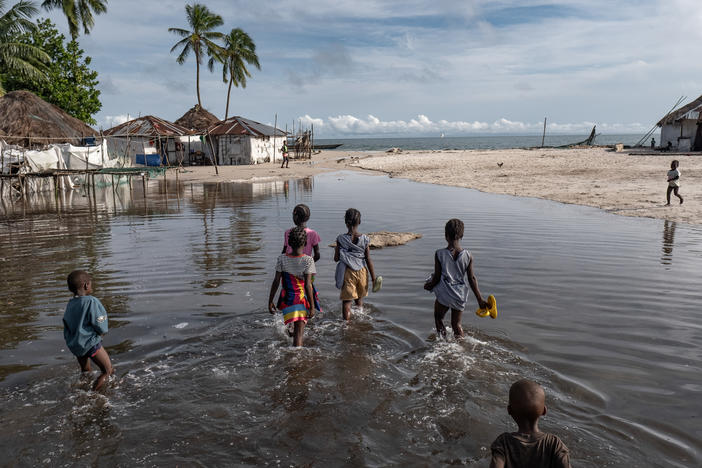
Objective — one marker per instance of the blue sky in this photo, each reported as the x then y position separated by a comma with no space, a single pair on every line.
381,68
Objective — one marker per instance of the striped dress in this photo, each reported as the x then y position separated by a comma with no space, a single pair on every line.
293,301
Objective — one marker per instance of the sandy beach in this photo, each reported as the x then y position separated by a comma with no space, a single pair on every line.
619,183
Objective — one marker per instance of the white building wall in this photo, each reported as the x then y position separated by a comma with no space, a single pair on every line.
671,133
243,149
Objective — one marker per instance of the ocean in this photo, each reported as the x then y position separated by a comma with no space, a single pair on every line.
471,142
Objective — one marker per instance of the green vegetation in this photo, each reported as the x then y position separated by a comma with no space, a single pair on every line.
239,49
202,22
19,58
71,84
78,13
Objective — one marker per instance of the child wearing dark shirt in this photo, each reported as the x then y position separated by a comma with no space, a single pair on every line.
84,323
529,447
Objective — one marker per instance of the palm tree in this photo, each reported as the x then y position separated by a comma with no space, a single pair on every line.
239,49
202,21
15,57
78,13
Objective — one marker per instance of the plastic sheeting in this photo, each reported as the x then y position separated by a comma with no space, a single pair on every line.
64,156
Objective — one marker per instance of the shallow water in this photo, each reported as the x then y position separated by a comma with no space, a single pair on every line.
602,310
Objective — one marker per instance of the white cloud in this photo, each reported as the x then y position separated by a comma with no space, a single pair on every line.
482,65
349,125
110,121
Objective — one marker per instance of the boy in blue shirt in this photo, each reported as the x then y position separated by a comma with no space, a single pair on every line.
84,323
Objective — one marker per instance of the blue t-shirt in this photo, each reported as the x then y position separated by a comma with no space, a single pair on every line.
84,321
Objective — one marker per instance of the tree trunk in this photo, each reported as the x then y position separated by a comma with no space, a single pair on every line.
197,78
226,112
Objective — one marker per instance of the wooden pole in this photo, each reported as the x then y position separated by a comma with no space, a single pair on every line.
543,137
213,157
275,131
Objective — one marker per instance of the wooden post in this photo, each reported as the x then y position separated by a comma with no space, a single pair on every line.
213,158
275,130
143,184
543,137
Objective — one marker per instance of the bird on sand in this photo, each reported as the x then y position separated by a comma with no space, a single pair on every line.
500,164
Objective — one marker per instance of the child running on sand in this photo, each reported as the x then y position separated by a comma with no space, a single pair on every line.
84,323
301,214
673,181
448,282
529,446
352,253
298,299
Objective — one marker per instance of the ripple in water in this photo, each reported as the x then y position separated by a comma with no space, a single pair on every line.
206,376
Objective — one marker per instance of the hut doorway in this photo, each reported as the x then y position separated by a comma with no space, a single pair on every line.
698,138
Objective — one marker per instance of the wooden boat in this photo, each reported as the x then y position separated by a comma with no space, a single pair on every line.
324,147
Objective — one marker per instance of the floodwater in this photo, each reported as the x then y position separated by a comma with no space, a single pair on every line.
603,311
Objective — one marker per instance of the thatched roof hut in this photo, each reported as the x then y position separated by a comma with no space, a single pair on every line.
197,119
29,121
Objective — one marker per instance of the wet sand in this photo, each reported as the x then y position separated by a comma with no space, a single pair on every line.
616,182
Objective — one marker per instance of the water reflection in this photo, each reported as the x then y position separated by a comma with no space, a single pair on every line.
668,241
136,244
184,272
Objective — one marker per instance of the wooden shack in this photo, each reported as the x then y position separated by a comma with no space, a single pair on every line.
682,128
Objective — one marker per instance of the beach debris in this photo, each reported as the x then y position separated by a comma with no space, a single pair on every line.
381,239
619,147
394,150
500,164
180,325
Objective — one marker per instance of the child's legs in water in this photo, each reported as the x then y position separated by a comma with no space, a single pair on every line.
84,363
102,359
299,329
456,322
439,313
346,309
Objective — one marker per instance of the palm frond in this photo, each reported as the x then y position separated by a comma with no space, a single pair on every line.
16,20
179,31
183,42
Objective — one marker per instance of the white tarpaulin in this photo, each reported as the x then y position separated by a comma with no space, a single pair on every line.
64,156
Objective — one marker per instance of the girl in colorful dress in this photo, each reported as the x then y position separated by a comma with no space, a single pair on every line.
452,266
298,299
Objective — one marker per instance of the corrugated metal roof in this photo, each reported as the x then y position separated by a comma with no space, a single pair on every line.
238,125
148,126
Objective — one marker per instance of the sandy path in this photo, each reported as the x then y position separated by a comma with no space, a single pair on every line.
616,182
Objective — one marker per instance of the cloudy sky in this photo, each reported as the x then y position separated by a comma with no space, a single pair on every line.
420,67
